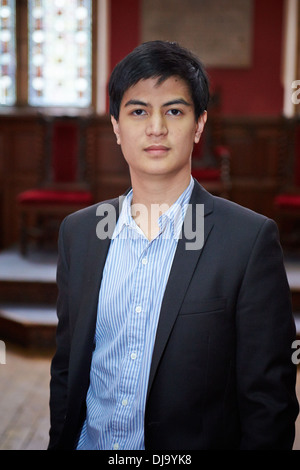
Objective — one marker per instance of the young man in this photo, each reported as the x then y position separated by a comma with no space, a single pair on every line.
162,344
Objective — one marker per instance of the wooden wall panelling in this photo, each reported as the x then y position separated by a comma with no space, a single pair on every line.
256,146
21,155
22,159
110,175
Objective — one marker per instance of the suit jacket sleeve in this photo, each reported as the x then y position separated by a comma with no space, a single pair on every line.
265,332
60,362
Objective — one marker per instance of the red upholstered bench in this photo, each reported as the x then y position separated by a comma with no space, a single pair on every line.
287,201
50,196
64,186
215,179
206,174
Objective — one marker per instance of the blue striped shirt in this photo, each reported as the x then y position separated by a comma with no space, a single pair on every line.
134,280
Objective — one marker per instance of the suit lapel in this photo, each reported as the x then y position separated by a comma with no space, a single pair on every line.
96,257
83,337
182,270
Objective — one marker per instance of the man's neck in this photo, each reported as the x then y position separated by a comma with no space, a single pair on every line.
151,197
158,189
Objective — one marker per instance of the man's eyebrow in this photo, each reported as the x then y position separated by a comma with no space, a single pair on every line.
177,101
135,103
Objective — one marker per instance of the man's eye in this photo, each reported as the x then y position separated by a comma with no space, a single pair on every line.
174,112
138,112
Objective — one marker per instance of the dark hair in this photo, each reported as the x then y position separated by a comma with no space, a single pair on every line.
163,60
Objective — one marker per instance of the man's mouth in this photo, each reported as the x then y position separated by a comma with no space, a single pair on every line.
157,149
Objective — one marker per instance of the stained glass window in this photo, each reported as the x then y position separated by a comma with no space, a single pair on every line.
7,52
60,52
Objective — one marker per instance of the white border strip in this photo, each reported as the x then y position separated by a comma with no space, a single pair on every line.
102,54
289,55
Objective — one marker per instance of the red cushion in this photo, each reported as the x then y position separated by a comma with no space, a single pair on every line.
206,174
288,201
47,196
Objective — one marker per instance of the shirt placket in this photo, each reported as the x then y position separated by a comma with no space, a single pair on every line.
135,341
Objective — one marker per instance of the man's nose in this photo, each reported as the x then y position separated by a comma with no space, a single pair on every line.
156,125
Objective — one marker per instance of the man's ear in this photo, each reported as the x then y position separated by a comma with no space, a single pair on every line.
115,125
200,126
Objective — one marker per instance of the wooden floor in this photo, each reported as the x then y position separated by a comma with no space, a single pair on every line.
24,392
24,379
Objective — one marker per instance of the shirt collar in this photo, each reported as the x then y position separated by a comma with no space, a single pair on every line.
125,219
174,216
176,213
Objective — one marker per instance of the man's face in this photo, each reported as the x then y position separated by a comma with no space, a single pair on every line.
157,128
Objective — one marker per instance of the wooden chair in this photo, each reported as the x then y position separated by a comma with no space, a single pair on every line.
64,187
211,165
287,201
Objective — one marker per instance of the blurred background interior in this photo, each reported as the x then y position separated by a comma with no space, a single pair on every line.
58,152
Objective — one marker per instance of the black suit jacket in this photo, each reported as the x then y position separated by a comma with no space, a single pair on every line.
221,375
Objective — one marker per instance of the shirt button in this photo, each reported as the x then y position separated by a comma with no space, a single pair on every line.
138,309
116,446
133,356
144,261
124,402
